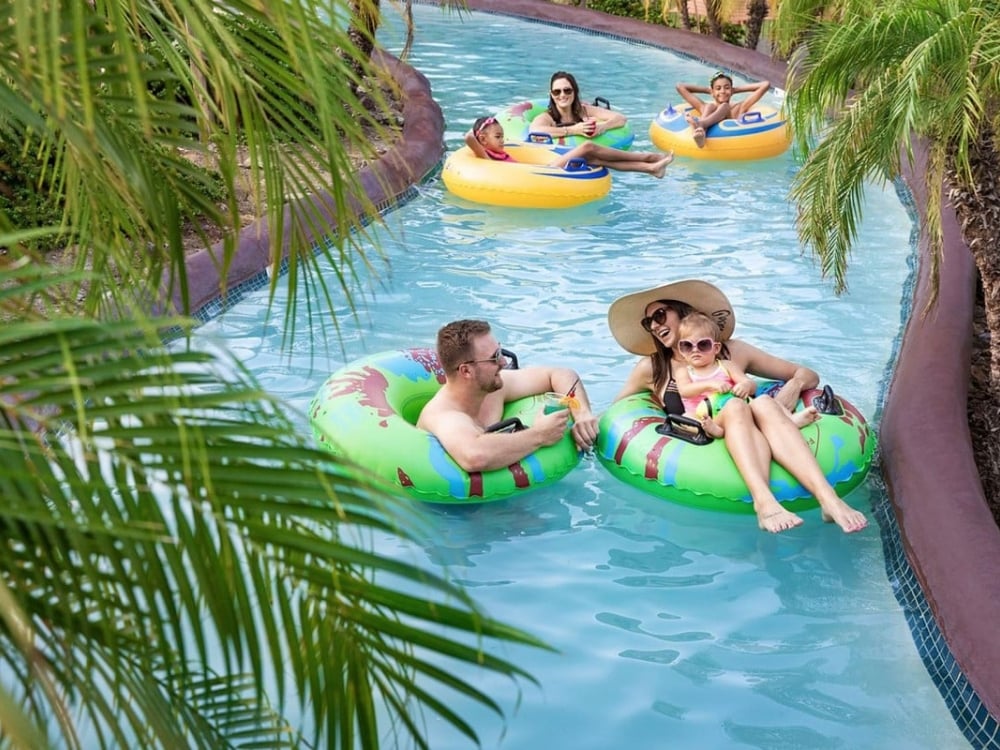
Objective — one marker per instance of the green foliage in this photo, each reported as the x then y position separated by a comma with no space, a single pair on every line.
180,566
626,8
26,193
28,199
867,81
734,33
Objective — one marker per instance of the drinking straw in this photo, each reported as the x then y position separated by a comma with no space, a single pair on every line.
572,389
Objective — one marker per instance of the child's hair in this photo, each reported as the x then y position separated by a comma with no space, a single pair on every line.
717,75
698,323
481,124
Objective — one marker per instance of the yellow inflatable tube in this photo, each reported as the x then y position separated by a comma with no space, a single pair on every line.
759,134
526,182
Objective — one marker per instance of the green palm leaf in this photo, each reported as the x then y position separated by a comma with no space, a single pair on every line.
181,567
863,80
179,558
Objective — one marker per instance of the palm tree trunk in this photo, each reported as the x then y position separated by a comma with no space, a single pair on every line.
756,13
685,14
713,10
365,17
408,43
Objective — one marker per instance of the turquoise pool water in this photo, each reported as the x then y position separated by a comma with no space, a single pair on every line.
674,627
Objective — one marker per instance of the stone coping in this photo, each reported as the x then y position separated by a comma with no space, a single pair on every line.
415,155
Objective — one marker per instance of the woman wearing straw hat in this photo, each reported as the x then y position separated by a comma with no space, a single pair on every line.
756,433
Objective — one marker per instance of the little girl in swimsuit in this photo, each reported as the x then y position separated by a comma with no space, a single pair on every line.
486,141
705,373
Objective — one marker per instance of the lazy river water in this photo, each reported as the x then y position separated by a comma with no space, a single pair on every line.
674,627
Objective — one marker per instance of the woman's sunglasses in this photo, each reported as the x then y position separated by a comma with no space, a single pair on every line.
659,317
686,346
565,92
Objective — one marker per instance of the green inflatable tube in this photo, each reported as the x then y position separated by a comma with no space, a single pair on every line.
704,476
516,121
366,412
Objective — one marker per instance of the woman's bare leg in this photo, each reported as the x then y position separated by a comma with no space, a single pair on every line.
649,162
752,456
790,450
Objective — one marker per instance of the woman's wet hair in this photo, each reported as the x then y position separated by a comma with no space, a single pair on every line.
578,111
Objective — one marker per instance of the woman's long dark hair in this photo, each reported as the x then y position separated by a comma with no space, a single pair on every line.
579,113
662,357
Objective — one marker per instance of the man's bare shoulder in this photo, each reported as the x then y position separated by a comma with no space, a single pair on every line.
434,411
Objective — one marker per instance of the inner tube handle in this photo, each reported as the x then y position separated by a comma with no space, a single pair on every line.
684,428
750,117
538,137
512,357
576,164
600,101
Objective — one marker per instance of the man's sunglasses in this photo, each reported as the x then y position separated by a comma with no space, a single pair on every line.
496,358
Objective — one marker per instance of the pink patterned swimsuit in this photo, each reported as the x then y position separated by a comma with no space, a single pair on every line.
718,375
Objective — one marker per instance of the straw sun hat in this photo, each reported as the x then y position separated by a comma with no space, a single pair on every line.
626,312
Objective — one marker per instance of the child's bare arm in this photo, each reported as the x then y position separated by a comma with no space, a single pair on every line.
473,143
756,91
688,91
743,386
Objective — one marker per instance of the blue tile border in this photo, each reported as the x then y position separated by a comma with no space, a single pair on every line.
262,279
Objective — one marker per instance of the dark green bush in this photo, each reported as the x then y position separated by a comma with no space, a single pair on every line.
734,33
628,8
24,197
27,199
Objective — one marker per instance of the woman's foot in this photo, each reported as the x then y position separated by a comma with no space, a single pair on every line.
805,417
660,167
842,514
775,518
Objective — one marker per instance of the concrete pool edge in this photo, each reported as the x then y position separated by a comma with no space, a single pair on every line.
946,526
412,158
926,452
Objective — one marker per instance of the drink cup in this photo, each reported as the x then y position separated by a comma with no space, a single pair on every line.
554,402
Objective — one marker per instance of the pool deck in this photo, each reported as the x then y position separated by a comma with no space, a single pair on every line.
947,531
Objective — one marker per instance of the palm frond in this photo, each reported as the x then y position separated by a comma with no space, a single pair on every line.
867,82
183,558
